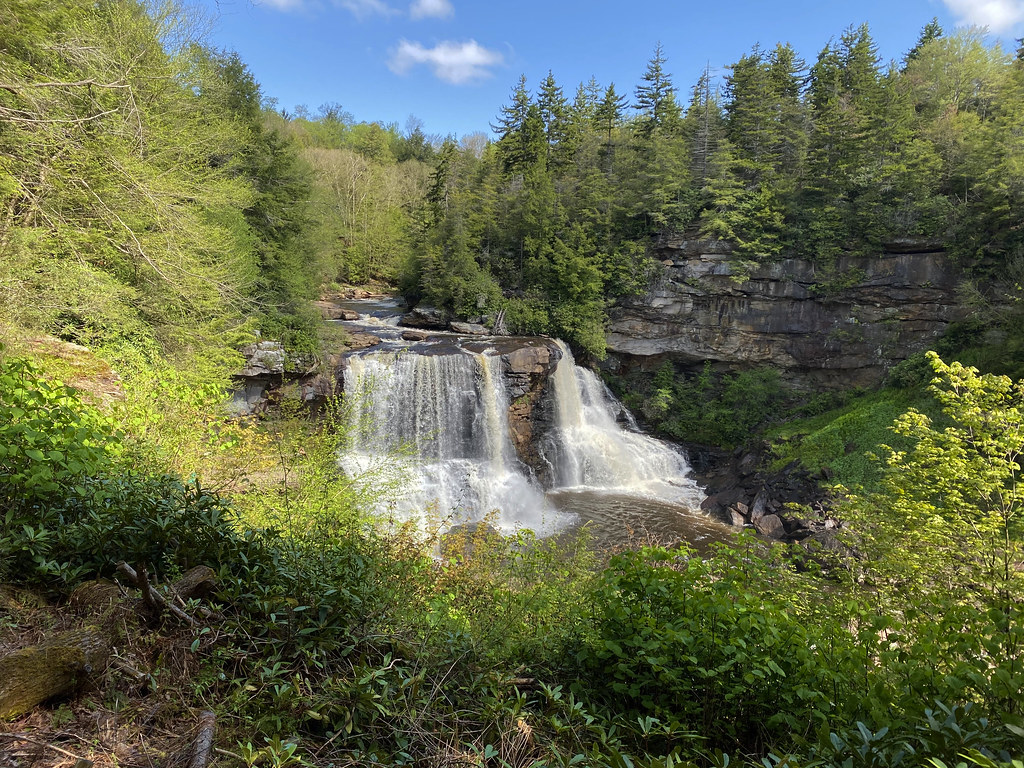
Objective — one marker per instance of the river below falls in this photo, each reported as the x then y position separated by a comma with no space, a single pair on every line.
619,520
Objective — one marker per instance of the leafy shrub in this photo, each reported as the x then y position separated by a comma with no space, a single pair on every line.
49,439
692,642
705,408
72,509
160,522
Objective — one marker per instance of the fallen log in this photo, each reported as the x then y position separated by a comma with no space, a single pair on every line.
204,740
58,666
30,676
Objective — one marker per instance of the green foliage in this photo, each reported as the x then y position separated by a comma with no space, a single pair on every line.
49,439
156,522
706,408
840,440
952,493
341,638
149,206
693,643
72,508
843,157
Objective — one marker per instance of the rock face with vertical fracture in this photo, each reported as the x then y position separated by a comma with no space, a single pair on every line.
824,327
528,369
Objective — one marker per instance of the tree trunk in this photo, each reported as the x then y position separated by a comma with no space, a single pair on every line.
57,667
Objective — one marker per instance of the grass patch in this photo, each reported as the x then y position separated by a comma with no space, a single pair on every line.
841,440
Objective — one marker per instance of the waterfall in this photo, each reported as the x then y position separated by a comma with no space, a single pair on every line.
447,414
589,448
443,412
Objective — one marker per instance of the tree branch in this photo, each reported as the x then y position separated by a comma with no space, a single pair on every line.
77,84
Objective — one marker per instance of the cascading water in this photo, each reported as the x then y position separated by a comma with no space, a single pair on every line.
448,415
443,411
588,448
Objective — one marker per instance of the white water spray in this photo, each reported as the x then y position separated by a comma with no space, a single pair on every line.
590,449
447,414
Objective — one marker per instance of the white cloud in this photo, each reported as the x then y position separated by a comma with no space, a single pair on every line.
363,8
283,5
998,15
438,9
454,62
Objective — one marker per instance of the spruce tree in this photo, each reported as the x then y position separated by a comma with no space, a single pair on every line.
554,114
655,96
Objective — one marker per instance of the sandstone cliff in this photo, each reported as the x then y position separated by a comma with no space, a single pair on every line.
837,327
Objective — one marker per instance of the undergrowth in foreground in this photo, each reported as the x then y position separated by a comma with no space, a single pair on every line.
336,641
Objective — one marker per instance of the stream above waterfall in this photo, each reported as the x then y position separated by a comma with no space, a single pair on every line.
510,431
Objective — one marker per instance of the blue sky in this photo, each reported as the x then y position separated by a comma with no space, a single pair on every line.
453,63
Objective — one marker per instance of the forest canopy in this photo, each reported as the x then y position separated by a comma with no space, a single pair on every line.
846,154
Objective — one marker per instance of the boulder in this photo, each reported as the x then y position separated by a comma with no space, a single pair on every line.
264,358
362,340
747,465
531,360
825,541
415,335
723,500
331,311
469,329
249,397
760,506
770,526
425,317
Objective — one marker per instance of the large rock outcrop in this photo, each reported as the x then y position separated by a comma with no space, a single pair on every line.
841,326
528,369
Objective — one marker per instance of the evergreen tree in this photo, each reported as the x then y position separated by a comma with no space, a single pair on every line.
554,110
750,108
584,105
607,118
788,144
442,180
932,31
655,96
521,132
703,128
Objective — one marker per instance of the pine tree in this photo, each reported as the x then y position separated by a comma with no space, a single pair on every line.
749,107
443,180
655,96
554,114
932,31
607,118
788,146
520,129
703,128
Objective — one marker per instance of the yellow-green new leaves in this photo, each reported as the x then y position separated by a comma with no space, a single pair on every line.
49,438
950,512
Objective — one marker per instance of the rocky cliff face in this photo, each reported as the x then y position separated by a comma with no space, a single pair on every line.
528,369
838,327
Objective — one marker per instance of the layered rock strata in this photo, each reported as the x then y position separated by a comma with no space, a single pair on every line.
528,369
840,326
